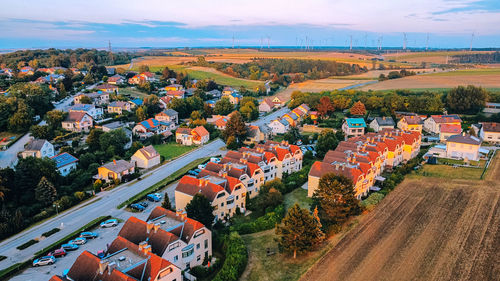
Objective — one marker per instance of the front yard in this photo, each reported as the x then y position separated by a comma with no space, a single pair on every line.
171,150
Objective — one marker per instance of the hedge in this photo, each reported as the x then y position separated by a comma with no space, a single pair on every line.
268,221
163,183
2,258
50,232
27,244
236,259
372,200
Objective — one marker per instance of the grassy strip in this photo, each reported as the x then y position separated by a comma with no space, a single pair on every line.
50,232
161,184
15,268
27,244
72,235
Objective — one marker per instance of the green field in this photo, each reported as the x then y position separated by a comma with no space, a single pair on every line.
172,150
299,195
464,72
134,93
222,79
449,172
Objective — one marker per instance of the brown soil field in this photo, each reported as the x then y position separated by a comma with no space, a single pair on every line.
376,73
432,229
429,57
316,86
450,80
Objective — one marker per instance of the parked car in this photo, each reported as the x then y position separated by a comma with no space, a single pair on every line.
215,159
58,253
197,171
144,204
202,166
78,241
44,261
69,247
152,198
137,207
109,223
89,235
192,173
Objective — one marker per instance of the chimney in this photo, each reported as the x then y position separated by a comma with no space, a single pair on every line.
111,266
103,264
337,166
178,212
114,161
383,118
156,227
142,245
149,227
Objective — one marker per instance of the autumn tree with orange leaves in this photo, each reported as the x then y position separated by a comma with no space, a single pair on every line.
358,109
325,106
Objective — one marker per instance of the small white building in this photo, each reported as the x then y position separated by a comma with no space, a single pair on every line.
94,112
65,163
380,123
279,126
38,148
146,157
196,136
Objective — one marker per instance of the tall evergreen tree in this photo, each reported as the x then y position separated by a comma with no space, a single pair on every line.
166,203
299,231
201,209
45,192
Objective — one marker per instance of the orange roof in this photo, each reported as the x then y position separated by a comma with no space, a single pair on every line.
451,128
201,131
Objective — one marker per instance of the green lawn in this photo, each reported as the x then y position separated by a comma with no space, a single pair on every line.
172,150
223,80
449,172
299,195
475,71
134,93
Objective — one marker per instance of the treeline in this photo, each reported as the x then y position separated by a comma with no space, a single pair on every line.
477,58
284,71
79,58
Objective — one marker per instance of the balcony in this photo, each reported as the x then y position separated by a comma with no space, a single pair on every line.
188,253
230,202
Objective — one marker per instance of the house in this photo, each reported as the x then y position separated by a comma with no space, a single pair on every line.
118,107
434,122
190,92
179,94
116,170
448,130
51,78
292,118
65,163
381,123
492,108
172,236
124,261
227,91
196,136
116,79
26,70
117,125
151,127
136,79
146,157
95,112
411,123
174,87
490,132
463,146
219,121
107,88
279,126
97,98
234,98
135,103
168,115
266,105
214,94
226,194
38,148
278,102
353,127
164,101
148,76
211,103
78,122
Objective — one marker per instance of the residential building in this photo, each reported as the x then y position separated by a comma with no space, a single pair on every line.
117,125
196,136
146,157
490,132
278,102
65,163
463,146
116,79
26,70
380,123
164,101
227,91
180,94
434,122
95,112
174,87
78,122
150,127
492,108
214,94
107,88
224,192
38,148
258,134
353,127
117,169
148,76
266,105
448,130
279,126
411,123
168,115
234,98
135,103
118,107
292,118
98,98
136,80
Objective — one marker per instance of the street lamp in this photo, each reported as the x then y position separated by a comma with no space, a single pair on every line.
57,211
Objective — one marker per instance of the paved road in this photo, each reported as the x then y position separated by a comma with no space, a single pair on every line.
268,118
104,204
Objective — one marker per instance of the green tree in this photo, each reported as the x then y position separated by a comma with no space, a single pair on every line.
201,209
42,132
468,99
335,199
326,141
22,118
223,106
93,139
85,100
235,127
299,231
249,111
45,192
143,68
166,203
141,113
292,136
55,117
88,79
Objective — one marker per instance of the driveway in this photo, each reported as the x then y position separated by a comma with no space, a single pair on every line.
103,204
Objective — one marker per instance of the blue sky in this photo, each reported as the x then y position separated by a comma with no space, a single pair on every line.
196,23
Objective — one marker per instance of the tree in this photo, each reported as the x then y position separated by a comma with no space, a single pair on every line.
93,139
231,143
292,136
166,203
55,117
468,99
249,111
143,68
224,106
42,132
85,100
325,106
21,120
299,231
6,180
201,209
141,113
335,199
235,127
358,108
326,141
45,192
88,79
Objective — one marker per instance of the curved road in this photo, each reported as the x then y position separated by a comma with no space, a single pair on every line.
104,204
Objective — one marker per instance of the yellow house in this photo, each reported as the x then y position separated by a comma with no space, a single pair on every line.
173,87
146,157
411,123
463,147
115,170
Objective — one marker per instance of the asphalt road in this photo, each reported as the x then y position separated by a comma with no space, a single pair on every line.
104,204
268,118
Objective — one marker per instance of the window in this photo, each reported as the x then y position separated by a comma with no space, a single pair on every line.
197,246
222,204
187,253
221,194
199,233
206,243
237,197
198,258
176,258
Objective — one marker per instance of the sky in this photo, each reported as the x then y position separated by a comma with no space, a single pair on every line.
211,23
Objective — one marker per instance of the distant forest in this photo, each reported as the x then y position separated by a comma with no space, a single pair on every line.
79,58
295,70
477,58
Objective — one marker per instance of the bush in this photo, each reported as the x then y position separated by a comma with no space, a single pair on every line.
27,244
372,200
50,232
203,273
268,221
236,259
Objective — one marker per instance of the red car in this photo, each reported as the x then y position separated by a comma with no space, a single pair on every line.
58,253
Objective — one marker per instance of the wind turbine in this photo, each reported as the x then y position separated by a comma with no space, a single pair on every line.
471,39
427,42
404,40
350,44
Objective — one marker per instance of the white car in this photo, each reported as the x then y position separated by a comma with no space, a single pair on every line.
47,260
158,195
78,241
109,223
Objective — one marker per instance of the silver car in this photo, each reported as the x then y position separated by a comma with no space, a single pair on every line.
78,241
47,260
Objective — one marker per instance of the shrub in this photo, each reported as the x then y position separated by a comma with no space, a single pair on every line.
50,232
27,244
79,195
268,221
372,200
236,259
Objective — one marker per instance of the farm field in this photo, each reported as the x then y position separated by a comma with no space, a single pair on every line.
317,86
487,78
133,93
172,150
429,57
432,229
